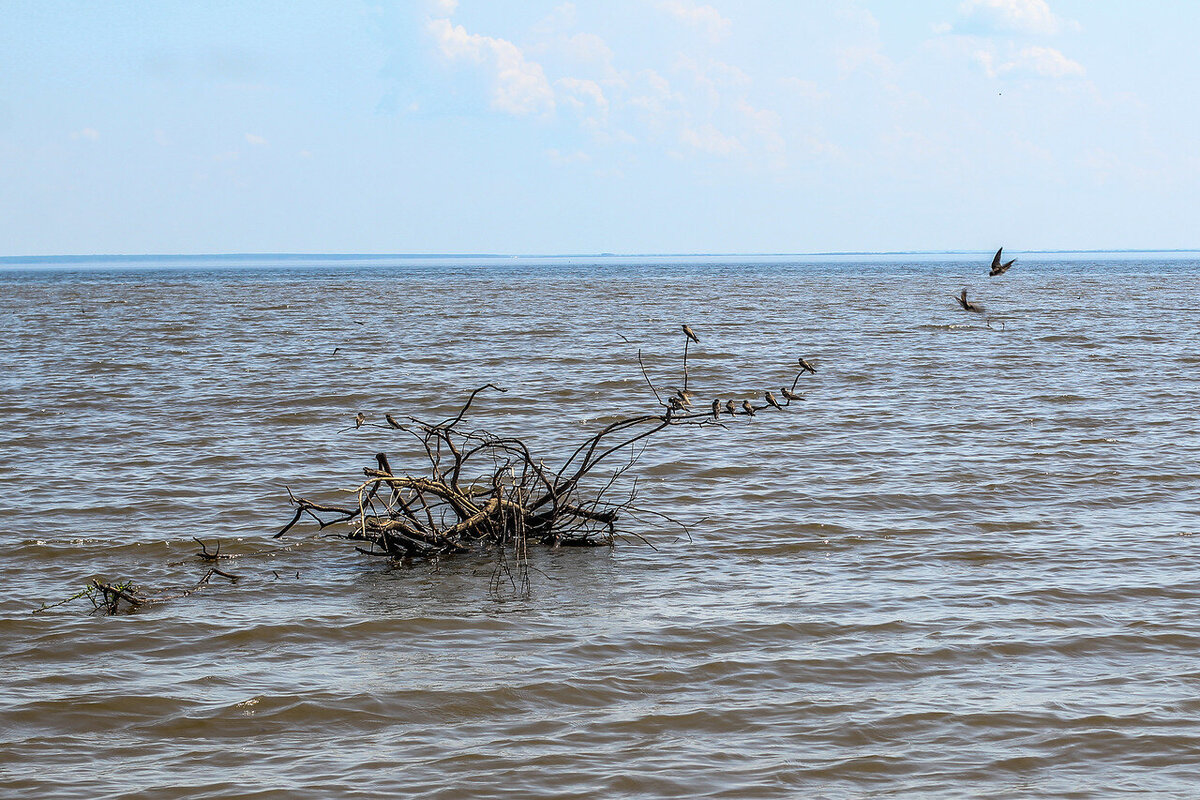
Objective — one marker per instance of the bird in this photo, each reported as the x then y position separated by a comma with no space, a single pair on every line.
689,333
749,409
716,407
772,401
788,394
997,267
806,367
968,306
730,408
392,421
674,404
359,419
685,397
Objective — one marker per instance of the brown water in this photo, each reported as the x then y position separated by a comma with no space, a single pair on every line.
965,567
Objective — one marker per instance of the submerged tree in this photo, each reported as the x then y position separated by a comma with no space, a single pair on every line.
477,488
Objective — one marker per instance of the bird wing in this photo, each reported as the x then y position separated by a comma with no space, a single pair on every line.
996,258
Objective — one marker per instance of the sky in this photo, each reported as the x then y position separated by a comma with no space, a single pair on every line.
623,126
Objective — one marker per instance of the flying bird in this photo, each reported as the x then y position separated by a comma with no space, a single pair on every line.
716,407
688,332
969,306
772,401
749,409
392,421
806,367
788,394
359,419
730,408
685,397
997,267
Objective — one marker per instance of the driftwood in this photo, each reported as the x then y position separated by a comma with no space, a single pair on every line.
480,489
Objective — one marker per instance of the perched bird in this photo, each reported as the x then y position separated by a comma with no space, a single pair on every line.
968,306
788,394
716,408
685,397
749,409
688,332
392,421
674,403
359,419
806,367
997,267
772,401
730,408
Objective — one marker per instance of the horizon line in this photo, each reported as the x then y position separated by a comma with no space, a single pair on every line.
331,255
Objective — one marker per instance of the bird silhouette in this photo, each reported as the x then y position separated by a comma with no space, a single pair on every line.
788,394
749,409
716,408
806,367
392,421
359,419
772,401
730,408
968,306
688,332
997,267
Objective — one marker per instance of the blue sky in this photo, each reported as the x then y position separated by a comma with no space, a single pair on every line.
626,126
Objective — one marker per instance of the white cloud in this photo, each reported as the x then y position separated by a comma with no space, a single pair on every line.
255,140
585,97
1014,16
706,18
519,86
707,139
91,134
445,8
560,159
1037,61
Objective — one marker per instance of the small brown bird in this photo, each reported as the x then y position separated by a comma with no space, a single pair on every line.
730,408
392,421
688,332
674,403
968,306
716,406
749,409
806,367
788,394
359,419
685,397
997,267
772,401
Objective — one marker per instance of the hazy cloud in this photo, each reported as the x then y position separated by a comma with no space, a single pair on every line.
1044,62
91,134
705,18
1008,16
255,140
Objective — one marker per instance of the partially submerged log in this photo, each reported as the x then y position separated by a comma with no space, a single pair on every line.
481,489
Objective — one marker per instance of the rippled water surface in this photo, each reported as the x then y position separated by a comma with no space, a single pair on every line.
965,565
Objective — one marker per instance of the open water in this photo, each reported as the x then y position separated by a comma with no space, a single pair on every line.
966,565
